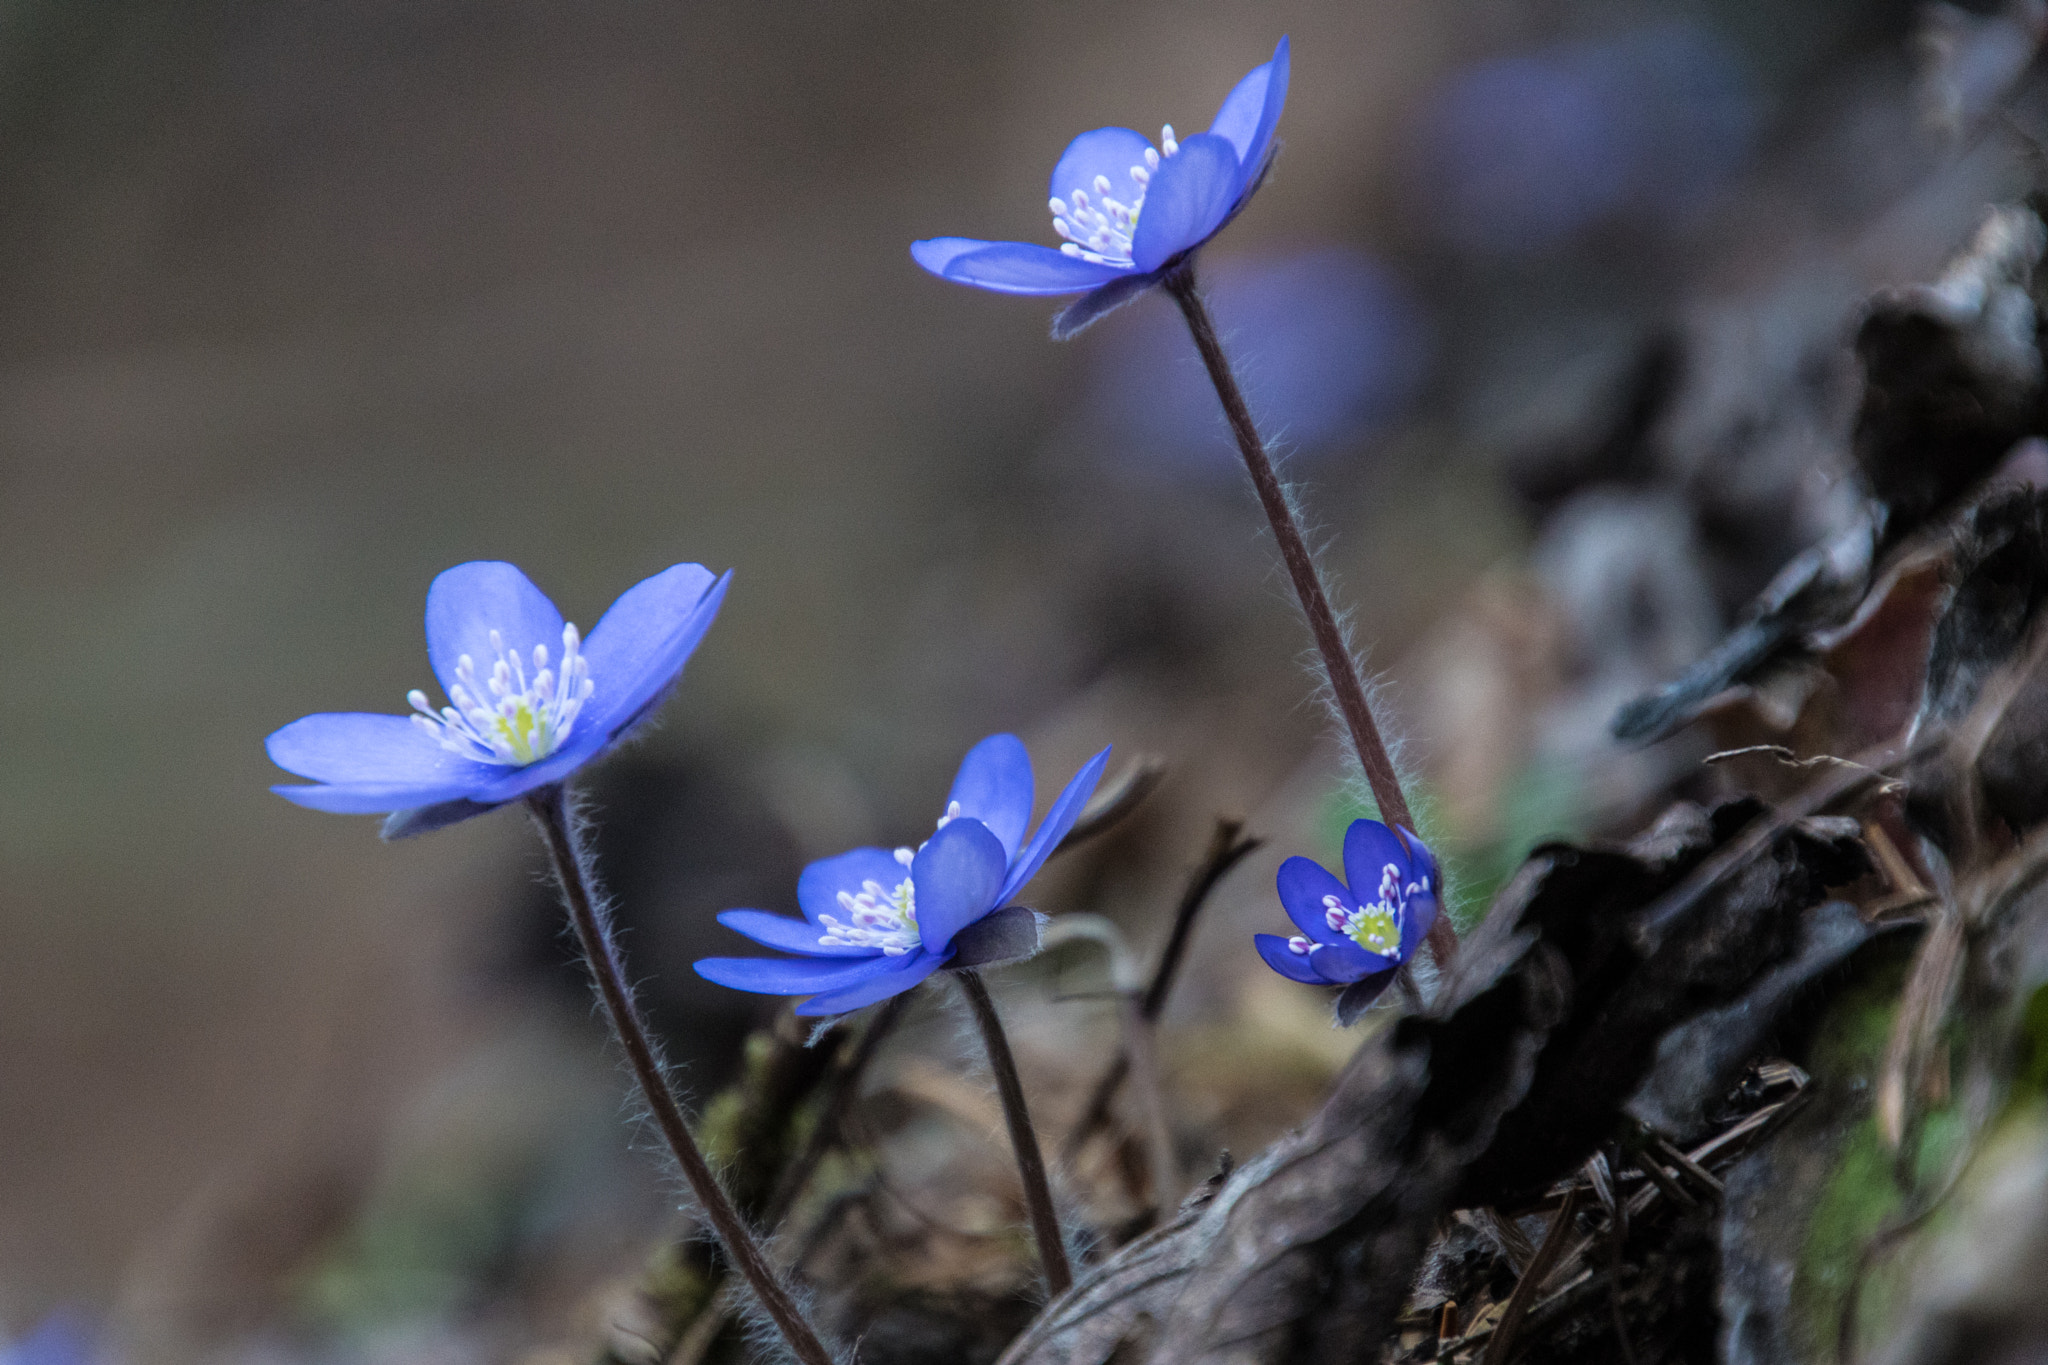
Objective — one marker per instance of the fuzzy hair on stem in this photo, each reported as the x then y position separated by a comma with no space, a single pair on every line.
1339,666
589,917
1053,1260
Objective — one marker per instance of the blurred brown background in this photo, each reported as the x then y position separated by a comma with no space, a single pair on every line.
305,302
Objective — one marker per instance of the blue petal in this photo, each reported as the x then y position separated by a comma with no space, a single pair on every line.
1421,862
1237,118
911,969
640,645
413,820
1284,960
1098,303
995,787
818,888
468,602
358,747
368,798
1345,962
1065,810
1418,916
1108,152
1012,267
792,976
958,872
936,253
1368,847
1192,194
1302,884
789,935
1251,113
1422,910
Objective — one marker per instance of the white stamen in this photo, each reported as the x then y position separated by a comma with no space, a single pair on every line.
876,917
1375,925
526,720
1094,224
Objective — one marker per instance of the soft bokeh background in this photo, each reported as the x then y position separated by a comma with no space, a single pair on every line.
304,302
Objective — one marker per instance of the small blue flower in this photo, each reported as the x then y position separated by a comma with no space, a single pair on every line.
1356,936
877,922
1128,210
521,716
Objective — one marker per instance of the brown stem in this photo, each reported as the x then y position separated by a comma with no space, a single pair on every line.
1531,1283
550,808
1141,1062
1045,1223
1227,846
1338,664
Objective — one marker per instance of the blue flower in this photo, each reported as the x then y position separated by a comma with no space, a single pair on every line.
1356,936
512,726
877,922
1130,211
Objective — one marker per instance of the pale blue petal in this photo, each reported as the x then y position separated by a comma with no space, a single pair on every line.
368,798
911,969
468,602
1302,884
958,872
936,253
1098,303
360,747
792,975
1237,119
639,646
1284,960
1192,194
1369,847
1022,268
995,787
818,888
1107,152
789,935
1066,809
1253,158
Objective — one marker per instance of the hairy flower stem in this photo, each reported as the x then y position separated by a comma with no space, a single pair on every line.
550,808
1045,1224
1308,584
